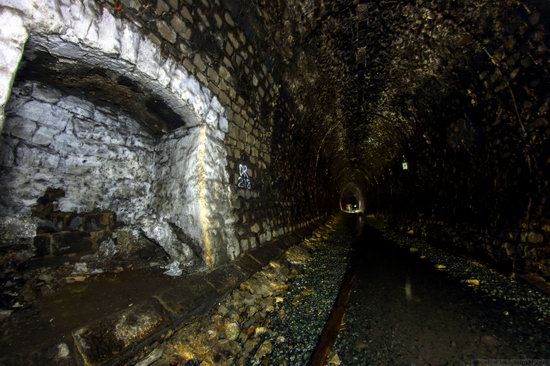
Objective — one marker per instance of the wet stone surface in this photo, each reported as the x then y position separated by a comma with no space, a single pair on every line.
108,308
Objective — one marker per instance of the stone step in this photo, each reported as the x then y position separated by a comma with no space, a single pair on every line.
64,242
95,221
70,221
71,242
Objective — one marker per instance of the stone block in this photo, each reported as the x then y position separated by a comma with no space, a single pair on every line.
188,65
199,63
223,124
7,153
104,220
62,220
227,62
46,227
71,242
51,262
218,20
166,32
182,29
213,75
248,265
161,8
224,99
45,114
108,340
189,296
244,245
229,48
21,128
46,94
44,136
266,253
255,228
229,19
42,245
234,40
76,223
186,14
91,222
225,278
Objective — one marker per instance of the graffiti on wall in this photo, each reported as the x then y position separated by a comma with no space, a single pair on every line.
244,180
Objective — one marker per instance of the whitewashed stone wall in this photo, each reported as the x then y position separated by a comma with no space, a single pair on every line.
79,30
13,36
101,157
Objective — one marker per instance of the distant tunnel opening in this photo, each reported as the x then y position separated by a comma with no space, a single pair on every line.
351,199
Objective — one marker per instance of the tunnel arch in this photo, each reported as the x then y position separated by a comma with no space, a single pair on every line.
81,32
352,199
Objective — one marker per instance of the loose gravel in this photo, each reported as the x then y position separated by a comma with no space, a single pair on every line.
310,299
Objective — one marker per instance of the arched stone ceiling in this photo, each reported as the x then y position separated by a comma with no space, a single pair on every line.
374,80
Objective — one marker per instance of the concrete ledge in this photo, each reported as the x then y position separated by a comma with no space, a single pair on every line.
248,265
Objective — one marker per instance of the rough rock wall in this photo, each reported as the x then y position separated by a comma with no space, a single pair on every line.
14,34
101,157
180,202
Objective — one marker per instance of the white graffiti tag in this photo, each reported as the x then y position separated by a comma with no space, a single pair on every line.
244,179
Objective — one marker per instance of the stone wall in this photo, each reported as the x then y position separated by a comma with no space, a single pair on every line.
520,250
205,64
220,49
101,157
223,51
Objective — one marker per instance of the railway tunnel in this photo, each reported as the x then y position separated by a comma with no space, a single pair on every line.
227,182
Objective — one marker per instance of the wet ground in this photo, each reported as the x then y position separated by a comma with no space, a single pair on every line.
402,311
53,318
